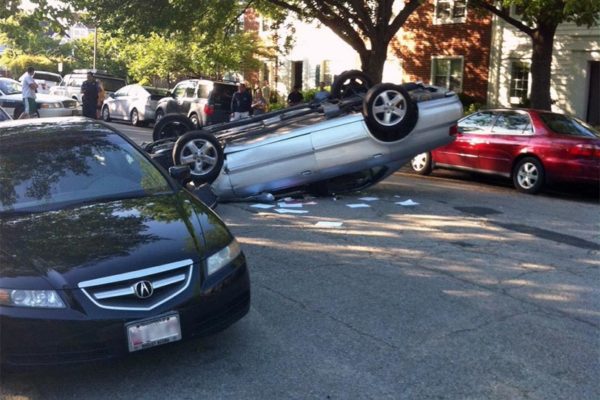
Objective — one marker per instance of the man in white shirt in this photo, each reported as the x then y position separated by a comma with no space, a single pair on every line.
29,89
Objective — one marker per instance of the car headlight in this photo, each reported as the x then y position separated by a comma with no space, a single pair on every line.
223,257
31,298
50,105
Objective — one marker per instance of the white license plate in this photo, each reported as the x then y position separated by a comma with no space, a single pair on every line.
153,332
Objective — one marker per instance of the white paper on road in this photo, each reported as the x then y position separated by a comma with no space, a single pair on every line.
369,198
288,211
263,206
289,205
329,224
407,203
358,205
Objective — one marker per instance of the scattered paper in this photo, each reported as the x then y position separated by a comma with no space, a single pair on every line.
369,198
408,202
358,205
288,211
289,205
329,224
264,206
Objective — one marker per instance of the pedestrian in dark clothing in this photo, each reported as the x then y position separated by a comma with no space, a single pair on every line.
295,97
90,90
241,103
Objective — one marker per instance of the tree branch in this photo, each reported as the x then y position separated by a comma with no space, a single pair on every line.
402,17
504,15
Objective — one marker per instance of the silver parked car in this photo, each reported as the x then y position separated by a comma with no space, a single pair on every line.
11,99
361,135
134,103
46,81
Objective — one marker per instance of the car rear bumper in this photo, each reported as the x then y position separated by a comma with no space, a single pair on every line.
63,112
76,337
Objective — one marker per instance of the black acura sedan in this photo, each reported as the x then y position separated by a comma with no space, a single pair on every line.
103,253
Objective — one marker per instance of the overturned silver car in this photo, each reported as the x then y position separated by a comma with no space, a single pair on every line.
358,137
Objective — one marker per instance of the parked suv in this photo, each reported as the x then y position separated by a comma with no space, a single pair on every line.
71,83
204,102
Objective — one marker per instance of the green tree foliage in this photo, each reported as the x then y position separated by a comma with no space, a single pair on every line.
539,19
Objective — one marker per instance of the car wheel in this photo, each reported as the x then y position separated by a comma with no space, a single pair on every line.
389,112
171,126
158,116
105,114
195,121
350,83
529,175
134,117
202,152
421,163
18,111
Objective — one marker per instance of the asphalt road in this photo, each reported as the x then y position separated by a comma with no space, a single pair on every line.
476,292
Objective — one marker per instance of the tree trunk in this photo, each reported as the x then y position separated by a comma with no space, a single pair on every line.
373,61
541,66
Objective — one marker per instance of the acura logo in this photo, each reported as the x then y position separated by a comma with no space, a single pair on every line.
143,289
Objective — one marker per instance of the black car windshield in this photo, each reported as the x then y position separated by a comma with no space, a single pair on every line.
8,86
568,125
49,166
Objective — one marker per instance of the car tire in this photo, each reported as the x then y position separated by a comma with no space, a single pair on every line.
171,126
134,118
529,175
105,114
350,83
202,152
421,164
195,121
18,111
389,112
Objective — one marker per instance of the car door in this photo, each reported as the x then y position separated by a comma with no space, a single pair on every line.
462,152
510,134
119,103
189,95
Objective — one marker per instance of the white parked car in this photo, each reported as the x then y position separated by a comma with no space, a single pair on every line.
46,80
134,103
11,100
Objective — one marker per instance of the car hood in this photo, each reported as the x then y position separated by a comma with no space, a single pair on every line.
39,97
61,248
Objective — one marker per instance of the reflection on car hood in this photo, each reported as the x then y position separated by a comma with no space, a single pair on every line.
92,241
39,97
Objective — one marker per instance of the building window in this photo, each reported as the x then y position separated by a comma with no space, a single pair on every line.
450,11
447,72
519,82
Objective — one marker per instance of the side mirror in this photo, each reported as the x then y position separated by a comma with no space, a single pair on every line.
180,172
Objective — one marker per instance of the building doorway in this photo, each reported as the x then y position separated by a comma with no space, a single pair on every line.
593,110
297,74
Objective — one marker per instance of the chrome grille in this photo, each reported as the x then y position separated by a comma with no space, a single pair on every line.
70,103
117,292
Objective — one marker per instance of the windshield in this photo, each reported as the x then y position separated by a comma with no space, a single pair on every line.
8,86
568,126
49,167
47,77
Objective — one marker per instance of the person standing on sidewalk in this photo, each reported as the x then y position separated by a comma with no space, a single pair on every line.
241,103
90,91
29,89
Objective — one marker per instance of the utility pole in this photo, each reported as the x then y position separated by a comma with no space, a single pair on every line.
95,45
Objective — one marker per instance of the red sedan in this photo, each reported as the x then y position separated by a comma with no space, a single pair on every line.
532,147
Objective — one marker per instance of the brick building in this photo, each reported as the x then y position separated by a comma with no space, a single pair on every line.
447,44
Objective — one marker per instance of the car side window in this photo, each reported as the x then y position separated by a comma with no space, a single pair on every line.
179,91
480,122
189,91
512,123
203,91
121,92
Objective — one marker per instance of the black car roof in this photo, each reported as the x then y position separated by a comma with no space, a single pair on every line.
47,125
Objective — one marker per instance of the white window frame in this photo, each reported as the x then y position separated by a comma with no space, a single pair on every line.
449,19
514,99
434,59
